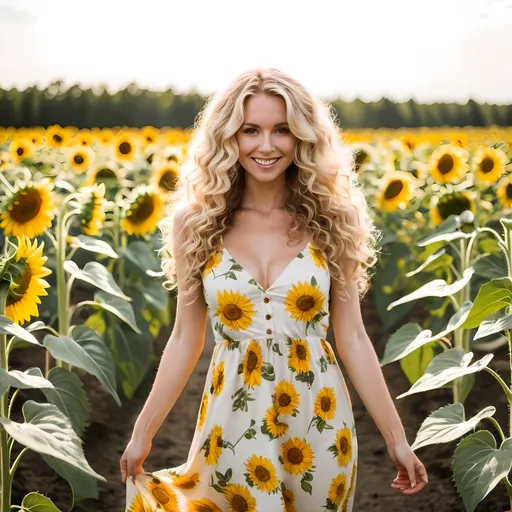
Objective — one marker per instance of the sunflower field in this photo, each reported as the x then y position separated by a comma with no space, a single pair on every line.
81,283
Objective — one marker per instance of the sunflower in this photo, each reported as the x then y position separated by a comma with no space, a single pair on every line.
105,136
252,364
57,137
317,256
186,482
274,427
344,508
364,155
262,473
286,399
299,355
93,214
214,261
30,210
163,494
303,301
343,446
203,409
203,505
325,403
297,456
337,489
451,204
288,499
80,158
489,164
448,163
144,212
214,445
20,149
328,351
239,498
504,192
138,504
235,310
102,174
83,138
150,135
396,191
29,284
218,379
124,146
165,177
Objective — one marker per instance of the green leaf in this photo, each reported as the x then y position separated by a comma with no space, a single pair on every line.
495,323
447,227
141,255
492,296
491,267
7,326
35,502
436,288
446,367
97,275
87,351
447,424
478,466
415,364
49,432
29,379
115,305
69,396
91,244
434,261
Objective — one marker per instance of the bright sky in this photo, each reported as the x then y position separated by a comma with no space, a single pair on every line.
430,50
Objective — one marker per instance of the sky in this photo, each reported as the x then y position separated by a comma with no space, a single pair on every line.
428,50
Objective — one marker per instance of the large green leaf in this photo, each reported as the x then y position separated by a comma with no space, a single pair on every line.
141,255
410,337
492,296
415,363
447,424
97,275
478,466
446,367
446,237
69,396
87,351
449,225
91,244
436,288
35,502
434,261
115,305
49,432
495,323
29,379
7,326
491,267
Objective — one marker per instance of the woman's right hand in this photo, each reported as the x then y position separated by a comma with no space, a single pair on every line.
134,455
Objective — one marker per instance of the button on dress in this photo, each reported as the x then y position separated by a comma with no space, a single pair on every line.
275,429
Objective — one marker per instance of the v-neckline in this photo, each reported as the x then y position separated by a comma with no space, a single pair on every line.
276,281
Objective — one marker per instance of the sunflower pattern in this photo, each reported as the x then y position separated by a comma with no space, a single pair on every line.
275,429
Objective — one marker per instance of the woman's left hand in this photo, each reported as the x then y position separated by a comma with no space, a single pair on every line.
412,475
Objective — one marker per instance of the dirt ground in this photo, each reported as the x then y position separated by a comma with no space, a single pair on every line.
111,428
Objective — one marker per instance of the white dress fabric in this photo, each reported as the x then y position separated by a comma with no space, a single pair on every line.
275,429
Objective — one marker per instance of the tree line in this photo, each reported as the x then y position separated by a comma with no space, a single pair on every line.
137,107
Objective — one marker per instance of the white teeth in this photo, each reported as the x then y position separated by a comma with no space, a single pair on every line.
266,162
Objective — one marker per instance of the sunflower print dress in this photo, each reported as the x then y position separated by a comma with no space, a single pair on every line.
275,429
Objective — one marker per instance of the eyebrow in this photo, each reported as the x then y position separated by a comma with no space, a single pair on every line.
258,126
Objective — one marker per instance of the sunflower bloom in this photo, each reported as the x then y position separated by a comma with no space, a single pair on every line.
139,504
20,149
214,445
396,191
163,495
451,204
274,427
30,210
80,158
325,403
239,498
286,398
504,192
489,164
203,505
213,262
289,500
337,489
124,147
299,356
218,379
22,300
165,178
262,473
317,256
343,446
304,301
186,482
297,456
448,163
144,212
235,310
57,137
203,409
252,364
93,214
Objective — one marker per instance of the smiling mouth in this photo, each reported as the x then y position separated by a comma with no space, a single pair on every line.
266,161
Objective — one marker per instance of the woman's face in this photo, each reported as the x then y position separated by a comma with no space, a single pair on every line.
265,143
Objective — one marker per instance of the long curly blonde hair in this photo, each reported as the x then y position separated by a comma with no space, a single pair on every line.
321,182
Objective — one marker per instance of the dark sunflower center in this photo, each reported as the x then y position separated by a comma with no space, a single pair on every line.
125,148
361,158
325,403
168,180
189,484
219,442
295,455
142,210
340,490
252,361
23,280
508,190
394,189
301,352
105,173
78,159
445,164
27,207
203,508
487,165
305,303
160,495
57,138
20,151
239,504
344,445
220,379
232,312
285,400
453,204
262,474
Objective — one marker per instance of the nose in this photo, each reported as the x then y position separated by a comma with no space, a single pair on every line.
266,144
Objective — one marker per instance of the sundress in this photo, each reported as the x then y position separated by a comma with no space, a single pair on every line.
275,429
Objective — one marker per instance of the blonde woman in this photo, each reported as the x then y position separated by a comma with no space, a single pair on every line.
268,237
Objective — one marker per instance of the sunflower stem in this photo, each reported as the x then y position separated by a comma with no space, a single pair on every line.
8,186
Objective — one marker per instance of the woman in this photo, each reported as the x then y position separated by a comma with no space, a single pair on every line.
275,429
